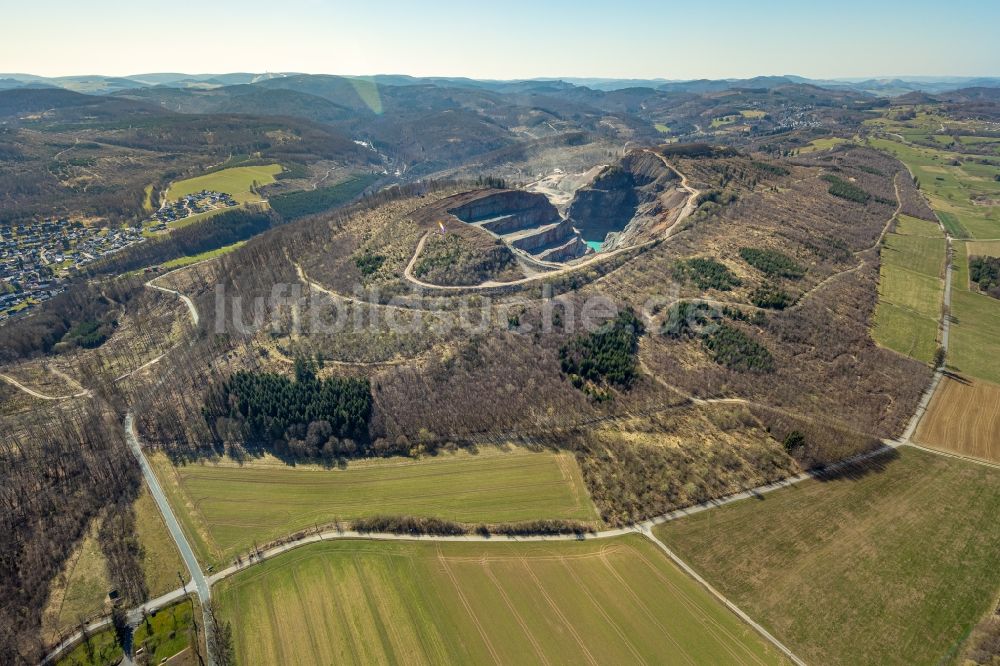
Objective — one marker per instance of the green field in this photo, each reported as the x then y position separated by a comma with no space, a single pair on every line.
661,128
905,331
599,602
225,509
103,650
974,140
893,563
952,189
195,258
160,559
911,289
821,144
722,121
984,248
235,181
974,347
168,632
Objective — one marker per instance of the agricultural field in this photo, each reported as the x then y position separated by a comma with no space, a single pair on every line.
821,144
180,262
609,601
911,289
963,418
974,348
989,248
956,185
235,181
905,331
226,508
962,192
894,561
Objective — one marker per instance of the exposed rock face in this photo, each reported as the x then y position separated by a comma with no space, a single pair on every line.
543,237
624,199
575,247
508,211
607,204
526,221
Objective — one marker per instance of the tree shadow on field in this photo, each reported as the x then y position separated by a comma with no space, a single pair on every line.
950,374
855,471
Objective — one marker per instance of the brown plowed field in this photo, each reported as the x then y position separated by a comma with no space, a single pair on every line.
964,418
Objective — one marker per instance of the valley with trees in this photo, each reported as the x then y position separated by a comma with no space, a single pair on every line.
446,370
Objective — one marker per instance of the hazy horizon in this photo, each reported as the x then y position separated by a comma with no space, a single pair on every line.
637,39
553,77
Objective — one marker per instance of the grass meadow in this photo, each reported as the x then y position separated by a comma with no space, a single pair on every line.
974,348
911,289
966,193
235,181
821,144
892,563
953,191
203,256
227,508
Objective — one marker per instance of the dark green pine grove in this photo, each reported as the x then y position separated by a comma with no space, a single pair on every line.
302,417
605,356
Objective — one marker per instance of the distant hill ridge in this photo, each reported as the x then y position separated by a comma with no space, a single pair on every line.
882,86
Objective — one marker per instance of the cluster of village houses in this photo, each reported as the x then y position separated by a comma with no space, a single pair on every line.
34,257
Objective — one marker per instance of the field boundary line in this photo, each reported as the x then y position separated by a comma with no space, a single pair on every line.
644,528
951,454
683,566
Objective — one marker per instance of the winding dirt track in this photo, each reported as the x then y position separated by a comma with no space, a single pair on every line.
644,527
16,384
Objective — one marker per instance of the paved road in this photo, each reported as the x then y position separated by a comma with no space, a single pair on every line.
645,528
201,585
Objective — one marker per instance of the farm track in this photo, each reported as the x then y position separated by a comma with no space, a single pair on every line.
203,584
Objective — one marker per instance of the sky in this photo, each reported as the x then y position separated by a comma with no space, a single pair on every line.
511,39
